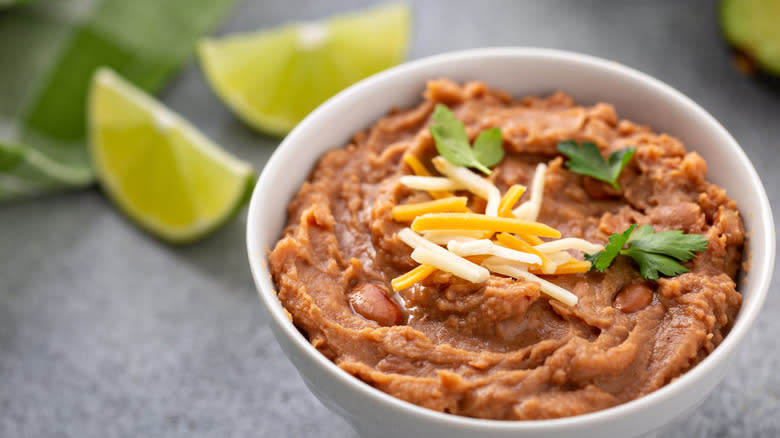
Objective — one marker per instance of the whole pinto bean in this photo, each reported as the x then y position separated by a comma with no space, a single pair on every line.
371,302
633,297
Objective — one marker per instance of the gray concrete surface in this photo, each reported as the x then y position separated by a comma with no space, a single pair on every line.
104,332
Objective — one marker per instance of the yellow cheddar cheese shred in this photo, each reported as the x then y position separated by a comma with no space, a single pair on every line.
510,241
474,221
419,169
442,237
408,279
509,200
439,257
573,266
529,238
407,212
504,240
478,259
416,165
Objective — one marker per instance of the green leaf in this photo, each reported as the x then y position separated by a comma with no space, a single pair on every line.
10,156
654,253
673,243
651,264
26,172
489,147
641,233
55,47
452,142
587,160
602,259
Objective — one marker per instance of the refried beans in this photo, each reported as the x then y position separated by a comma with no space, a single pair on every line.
501,349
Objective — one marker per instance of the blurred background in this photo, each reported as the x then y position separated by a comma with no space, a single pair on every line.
107,332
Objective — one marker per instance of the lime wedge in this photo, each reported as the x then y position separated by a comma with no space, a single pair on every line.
753,28
273,78
164,174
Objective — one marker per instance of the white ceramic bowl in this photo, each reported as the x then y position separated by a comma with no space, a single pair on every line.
520,71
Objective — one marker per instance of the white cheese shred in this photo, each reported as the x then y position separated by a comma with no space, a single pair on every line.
455,265
519,256
440,258
429,183
471,182
486,247
559,258
551,289
529,210
463,243
442,237
474,247
569,243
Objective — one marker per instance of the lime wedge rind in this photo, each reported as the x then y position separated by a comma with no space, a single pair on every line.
753,28
140,191
271,79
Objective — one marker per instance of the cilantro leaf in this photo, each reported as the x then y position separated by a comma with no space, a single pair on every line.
602,259
587,160
641,233
452,142
651,264
489,147
671,242
655,253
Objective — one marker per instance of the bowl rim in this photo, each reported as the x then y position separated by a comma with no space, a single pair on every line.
747,314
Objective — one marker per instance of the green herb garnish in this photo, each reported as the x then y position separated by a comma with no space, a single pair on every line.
587,160
654,252
452,142
602,259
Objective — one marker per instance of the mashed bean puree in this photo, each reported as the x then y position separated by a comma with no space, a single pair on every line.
501,349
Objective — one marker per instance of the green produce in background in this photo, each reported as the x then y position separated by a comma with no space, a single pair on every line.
163,173
55,47
752,27
273,78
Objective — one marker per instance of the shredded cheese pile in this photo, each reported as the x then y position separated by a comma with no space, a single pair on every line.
446,235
